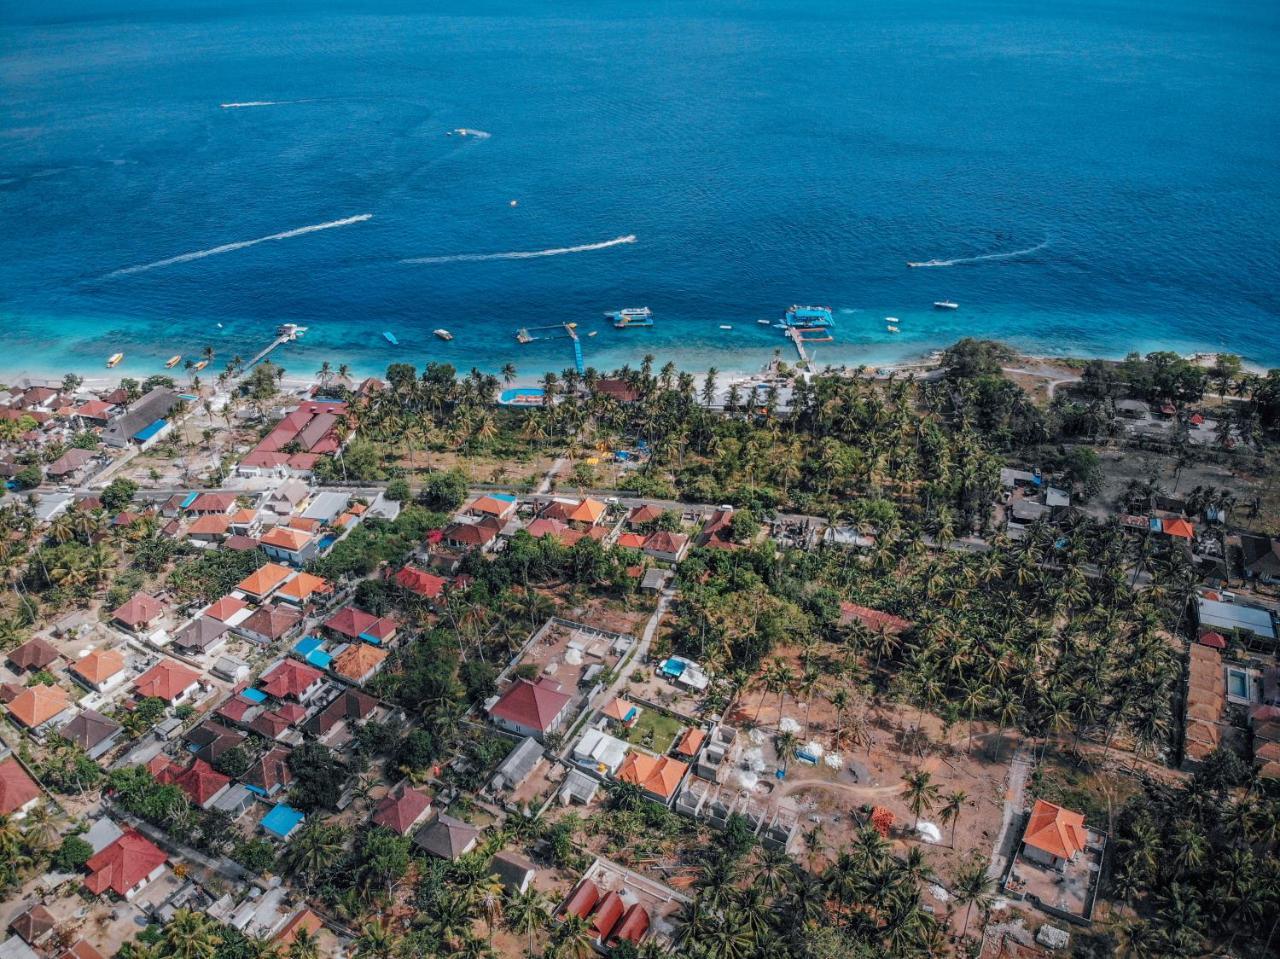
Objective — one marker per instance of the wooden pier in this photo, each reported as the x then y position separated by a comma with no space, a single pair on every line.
797,336
286,334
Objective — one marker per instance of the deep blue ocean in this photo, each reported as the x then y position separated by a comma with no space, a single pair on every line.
1125,155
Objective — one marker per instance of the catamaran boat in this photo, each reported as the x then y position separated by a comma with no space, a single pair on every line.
808,317
945,305
114,360
632,316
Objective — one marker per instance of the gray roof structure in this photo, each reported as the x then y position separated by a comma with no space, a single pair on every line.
1230,616
140,413
447,837
513,870
89,729
200,634
518,765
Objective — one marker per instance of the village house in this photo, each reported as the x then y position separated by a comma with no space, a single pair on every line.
269,624
290,679
402,809
168,680
481,535
447,837
126,866
39,707
531,708
19,793
359,662
72,466
140,614
204,635
288,545
499,506
264,581
350,623
209,504
100,670
269,772
1054,836
658,777
200,781
33,655
667,547
93,732
303,590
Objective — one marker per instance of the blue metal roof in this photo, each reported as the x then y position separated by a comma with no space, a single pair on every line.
282,820
319,658
254,695
308,644
147,432
190,498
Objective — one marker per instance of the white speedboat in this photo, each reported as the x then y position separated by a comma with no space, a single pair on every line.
945,305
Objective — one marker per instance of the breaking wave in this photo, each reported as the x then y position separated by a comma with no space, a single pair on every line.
521,255
960,260
242,244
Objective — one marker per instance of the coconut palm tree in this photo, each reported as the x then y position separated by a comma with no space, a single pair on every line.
191,935
920,793
973,887
526,915
952,806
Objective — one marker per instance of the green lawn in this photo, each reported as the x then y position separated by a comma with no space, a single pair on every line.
654,730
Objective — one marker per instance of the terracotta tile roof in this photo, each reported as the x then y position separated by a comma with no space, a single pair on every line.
447,837
303,586
264,579
122,865
588,510
225,608
282,537
99,666
657,775
289,678
201,782
491,506
666,542
34,654
546,526
270,771
83,949
212,503
352,704
210,524
1178,527
606,914
690,742
618,709
138,610
305,920
34,924
471,534
241,544
243,517
357,624
644,514
421,582
532,705
401,808
631,541
873,619
167,680
358,661
16,787
94,409
200,634
1057,831
38,704
272,621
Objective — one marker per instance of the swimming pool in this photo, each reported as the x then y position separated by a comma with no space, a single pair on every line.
522,396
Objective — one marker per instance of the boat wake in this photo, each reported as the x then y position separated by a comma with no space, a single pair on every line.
961,260
253,103
525,255
243,244
474,134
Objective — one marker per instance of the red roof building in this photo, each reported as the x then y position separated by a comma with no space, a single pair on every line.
582,900
873,619
290,679
352,623
200,781
421,582
634,924
18,791
168,680
531,708
126,866
314,428
401,809
139,612
1054,835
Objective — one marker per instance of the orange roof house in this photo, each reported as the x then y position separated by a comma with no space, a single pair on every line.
304,921
690,741
285,538
210,526
1178,527
36,705
100,668
1054,834
873,619
421,582
631,541
590,511
658,776
167,680
265,580
303,588
493,506
359,662
225,608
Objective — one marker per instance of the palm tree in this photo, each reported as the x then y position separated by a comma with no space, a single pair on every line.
526,915
973,887
508,373
191,935
952,805
305,945
314,849
574,939
920,793
377,940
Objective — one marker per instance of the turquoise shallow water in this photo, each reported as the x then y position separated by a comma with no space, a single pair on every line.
760,154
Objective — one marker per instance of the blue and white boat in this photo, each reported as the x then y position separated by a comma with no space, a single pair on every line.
633,316
391,338
808,317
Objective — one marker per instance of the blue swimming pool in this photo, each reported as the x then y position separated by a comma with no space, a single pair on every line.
522,396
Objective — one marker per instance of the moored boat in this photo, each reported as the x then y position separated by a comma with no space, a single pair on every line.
390,338
632,316
443,334
173,361
945,305
808,317
200,366
114,359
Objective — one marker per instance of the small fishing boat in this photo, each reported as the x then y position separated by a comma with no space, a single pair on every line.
945,305
765,322
725,326
114,360
173,361
593,333
443,334
200,366
891,324
390,338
